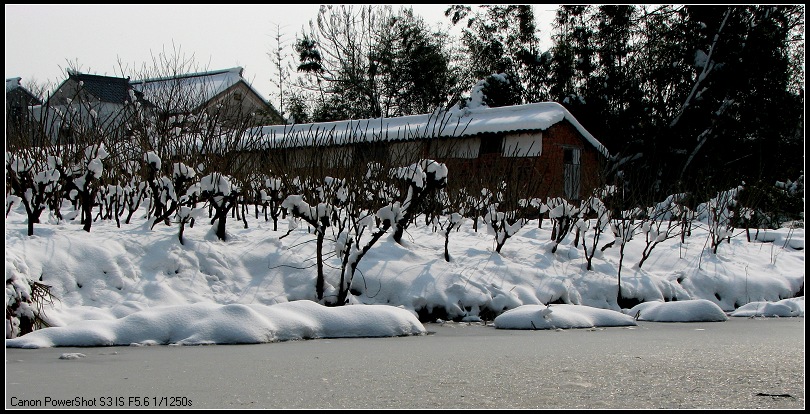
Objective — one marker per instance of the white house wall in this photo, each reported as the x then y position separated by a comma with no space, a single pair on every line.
523,145
457,148
103,116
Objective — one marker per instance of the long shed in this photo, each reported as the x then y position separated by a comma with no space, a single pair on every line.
540,142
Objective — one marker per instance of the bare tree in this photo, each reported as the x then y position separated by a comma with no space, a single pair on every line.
595,217
180,134
282,67
659,224
448,215
31,185
722,210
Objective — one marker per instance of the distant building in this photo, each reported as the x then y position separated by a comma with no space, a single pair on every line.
222,94
17,96
18,99
85,104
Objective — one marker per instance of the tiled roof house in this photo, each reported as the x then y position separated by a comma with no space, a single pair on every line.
18,99
91,88
87,102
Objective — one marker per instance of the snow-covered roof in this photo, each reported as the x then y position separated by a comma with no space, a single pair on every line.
12,83
440,124
199,87
23,97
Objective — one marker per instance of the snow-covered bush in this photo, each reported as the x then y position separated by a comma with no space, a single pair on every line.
503,224
564,216
272,199
720,214
171,194
422,179
319,217
360,210
25,300
32,186
663,221
221,195
448,216
81,182
769,206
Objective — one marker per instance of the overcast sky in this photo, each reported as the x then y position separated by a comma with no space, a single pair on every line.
43,40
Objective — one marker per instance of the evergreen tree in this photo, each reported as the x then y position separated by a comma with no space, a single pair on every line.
686,95
741,107
413,65
503,40
663,69
573,54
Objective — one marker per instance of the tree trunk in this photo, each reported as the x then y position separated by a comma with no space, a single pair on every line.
446,244
87,211
398,232
221,215
588,257
621,259
182,228
319,281
343,293
30,225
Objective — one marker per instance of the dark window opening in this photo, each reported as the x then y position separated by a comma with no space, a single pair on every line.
366,153
491,145
66,135
568,156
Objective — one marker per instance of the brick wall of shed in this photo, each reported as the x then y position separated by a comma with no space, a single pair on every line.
560,136
539,176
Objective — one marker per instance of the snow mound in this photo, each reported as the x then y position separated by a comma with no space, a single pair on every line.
696,310
562,316
207,323
72,355
783,308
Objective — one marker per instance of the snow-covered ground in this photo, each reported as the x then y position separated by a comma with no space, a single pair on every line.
136,286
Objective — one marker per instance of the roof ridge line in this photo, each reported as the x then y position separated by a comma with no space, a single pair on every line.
236,69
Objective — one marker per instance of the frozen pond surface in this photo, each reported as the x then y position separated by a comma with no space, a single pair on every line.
741,363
